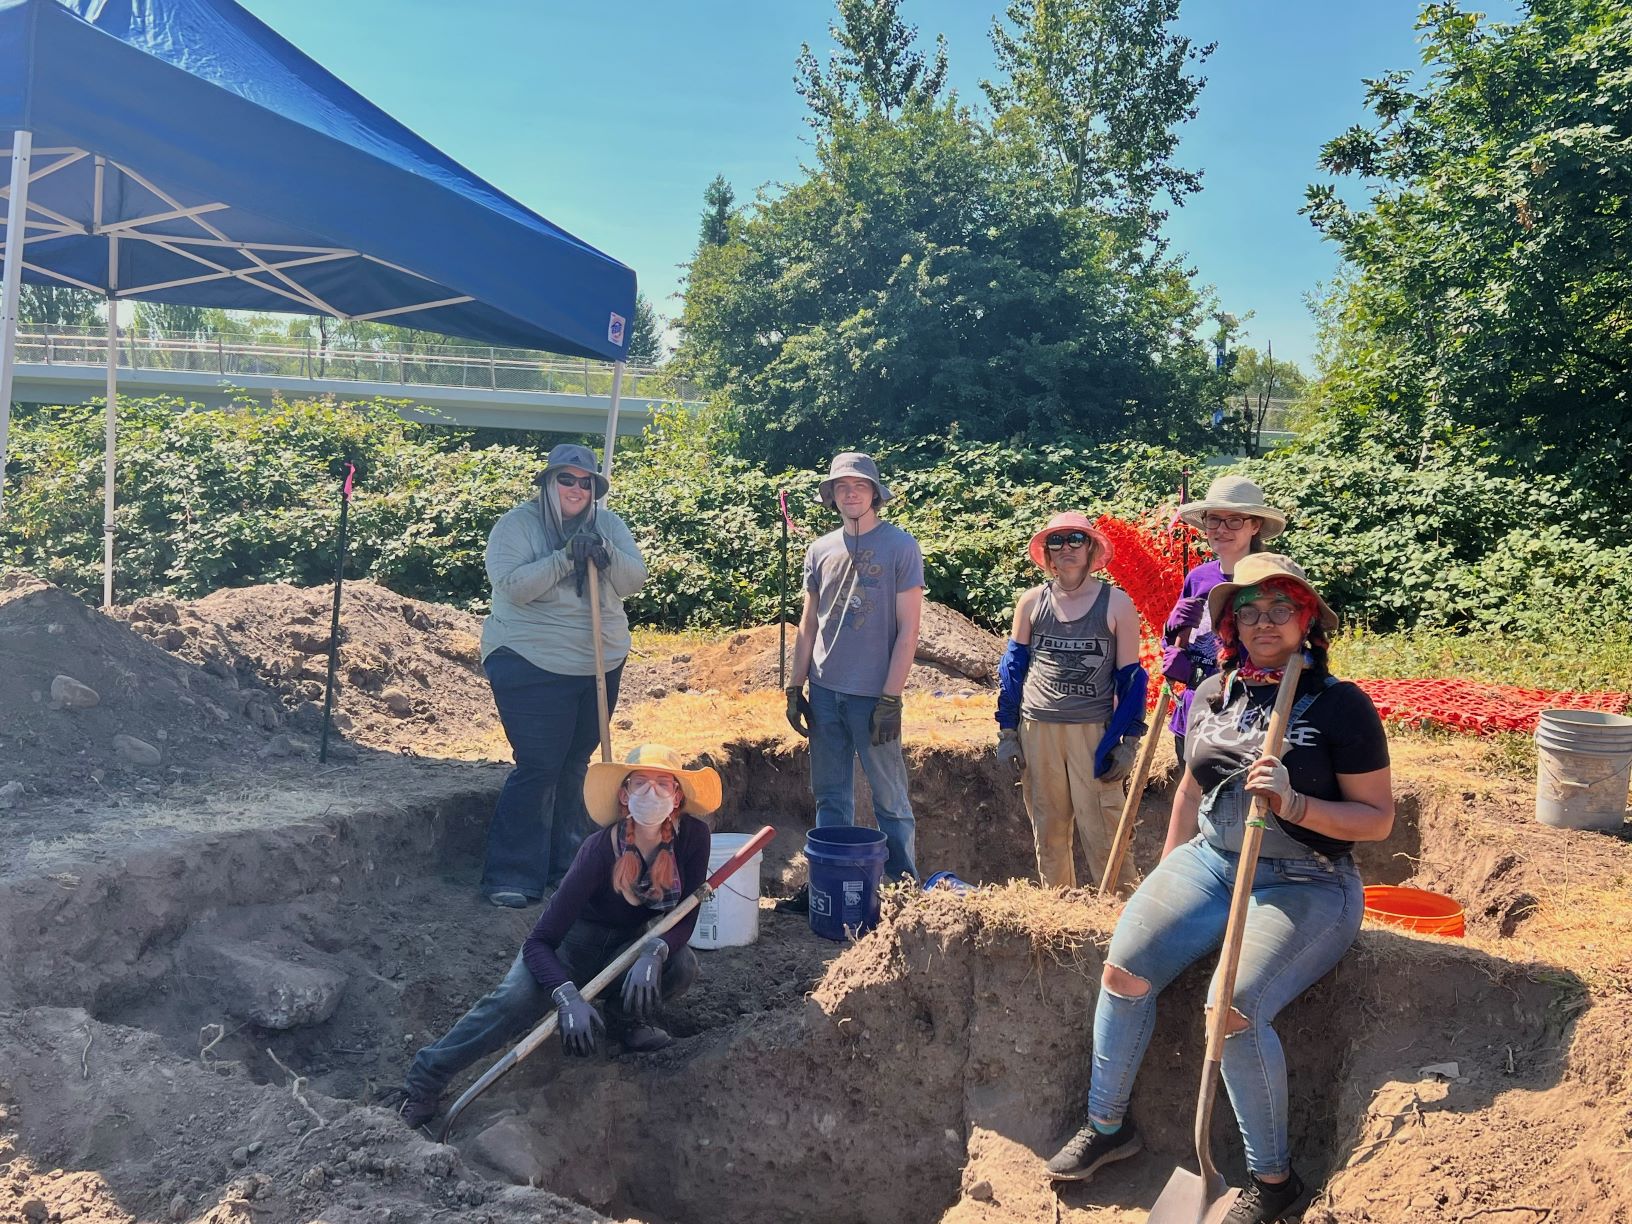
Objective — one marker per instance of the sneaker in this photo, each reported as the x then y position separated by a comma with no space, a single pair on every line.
1088,1150
509,900
799,903
416,1111
646,1039
1266,1202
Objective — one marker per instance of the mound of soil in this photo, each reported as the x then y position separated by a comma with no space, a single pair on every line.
86,703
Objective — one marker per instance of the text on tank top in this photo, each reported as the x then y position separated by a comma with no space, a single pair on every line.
1072,677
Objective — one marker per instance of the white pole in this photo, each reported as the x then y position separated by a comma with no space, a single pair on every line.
111,424
22,146
612,421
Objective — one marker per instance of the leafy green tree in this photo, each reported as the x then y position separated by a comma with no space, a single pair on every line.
1257,381
58,306
877,68
1491,270
169,319
1094,92
645,335
716,227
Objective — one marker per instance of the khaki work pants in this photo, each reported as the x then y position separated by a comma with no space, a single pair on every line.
1060,791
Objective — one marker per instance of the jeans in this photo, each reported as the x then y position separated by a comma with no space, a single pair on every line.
1303,916
553,727
841,730
503,1015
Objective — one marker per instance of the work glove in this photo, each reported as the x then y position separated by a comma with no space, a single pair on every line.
1123,756
886,724
1269,780
1186,614
586,548
643,984
1178,666
798,709
1008,750
578,1021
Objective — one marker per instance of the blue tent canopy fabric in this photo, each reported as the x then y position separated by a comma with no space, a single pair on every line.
185,152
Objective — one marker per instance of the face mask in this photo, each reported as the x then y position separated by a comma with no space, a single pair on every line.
649,808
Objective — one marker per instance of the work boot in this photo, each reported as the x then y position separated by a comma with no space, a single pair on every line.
799,903
1087,1150
416,1111
646,1039
508,899
1266,1202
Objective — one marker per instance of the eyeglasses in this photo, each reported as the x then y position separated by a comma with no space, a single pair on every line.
1220,522
663,785
1278,614
569,481
1066,539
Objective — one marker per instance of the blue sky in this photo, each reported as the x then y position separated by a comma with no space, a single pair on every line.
610,119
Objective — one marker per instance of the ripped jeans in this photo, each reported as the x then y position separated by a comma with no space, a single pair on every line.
1304,914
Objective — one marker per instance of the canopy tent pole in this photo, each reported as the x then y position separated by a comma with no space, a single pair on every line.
22,148
612,421
111,424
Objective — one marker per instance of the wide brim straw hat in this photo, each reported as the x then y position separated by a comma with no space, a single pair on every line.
1070,520
571,454
700,787
852,463
1236,495
1255,568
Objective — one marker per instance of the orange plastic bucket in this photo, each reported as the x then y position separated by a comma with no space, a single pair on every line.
1415,909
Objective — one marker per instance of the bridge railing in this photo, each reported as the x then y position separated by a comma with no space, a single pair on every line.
429,365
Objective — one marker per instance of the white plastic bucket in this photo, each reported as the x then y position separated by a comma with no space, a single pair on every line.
1583,766
730,918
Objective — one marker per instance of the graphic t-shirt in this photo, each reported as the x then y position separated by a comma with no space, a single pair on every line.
1340,733
855,582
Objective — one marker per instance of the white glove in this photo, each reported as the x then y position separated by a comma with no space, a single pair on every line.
1269,780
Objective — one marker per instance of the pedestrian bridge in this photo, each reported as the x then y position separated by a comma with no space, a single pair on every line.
439,384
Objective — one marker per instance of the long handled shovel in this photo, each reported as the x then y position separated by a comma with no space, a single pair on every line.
600,662
334,620
1189,1198
1136,792
607,976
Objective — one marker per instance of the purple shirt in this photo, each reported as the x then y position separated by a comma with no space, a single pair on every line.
1203,648
587,894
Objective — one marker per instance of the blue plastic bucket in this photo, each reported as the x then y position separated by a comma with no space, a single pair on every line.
846,865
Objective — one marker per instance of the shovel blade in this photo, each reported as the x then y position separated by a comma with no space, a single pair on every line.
1186,1199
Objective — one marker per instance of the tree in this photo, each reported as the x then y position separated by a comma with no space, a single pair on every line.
645,335
169,319
1093,93
876,70
1258,380
1486,300
58,306
716,227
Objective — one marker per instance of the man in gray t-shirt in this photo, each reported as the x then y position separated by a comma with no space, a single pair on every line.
864,597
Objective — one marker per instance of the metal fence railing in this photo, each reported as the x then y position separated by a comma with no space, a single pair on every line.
428,365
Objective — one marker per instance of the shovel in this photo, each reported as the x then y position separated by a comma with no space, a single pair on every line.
601,705
523,1048
1190,1198
1136,792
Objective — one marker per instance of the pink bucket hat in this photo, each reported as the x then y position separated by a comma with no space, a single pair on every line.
1071,520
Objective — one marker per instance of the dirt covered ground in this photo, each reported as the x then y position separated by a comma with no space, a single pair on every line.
215,967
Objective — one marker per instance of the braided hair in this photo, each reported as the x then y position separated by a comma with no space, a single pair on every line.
664,874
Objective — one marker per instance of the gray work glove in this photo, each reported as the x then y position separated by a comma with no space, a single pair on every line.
1123,756
643,984
1008,750
798,709
886,723
578,1021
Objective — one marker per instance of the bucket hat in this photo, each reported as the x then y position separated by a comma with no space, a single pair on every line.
1237,494
1258,567
1070,520
571,454
852,463
700,787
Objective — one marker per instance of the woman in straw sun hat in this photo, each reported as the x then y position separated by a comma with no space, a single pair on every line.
1235,522
651,850
1329,789
1071,702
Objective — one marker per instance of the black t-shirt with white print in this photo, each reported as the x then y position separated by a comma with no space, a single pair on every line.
1339,733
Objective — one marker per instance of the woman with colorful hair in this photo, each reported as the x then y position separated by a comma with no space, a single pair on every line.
1235,522
1329,789
651,850
1071,702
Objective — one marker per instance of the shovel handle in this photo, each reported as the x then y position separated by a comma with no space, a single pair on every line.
602,711
1136,792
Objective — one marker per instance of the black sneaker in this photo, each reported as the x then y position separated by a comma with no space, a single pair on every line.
1087,1150
799,903
416,1111
1266,1202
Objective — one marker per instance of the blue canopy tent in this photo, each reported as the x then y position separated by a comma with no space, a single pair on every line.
181,151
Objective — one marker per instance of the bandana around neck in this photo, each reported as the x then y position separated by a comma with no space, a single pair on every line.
647,893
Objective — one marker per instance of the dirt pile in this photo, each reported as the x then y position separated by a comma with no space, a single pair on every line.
87,704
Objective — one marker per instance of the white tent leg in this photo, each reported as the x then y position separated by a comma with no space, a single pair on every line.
111,434
22,147
612,421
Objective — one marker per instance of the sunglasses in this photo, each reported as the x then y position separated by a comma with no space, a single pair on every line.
568,480
1065,539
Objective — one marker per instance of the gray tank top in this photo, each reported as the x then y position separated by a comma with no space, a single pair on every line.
1072,677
